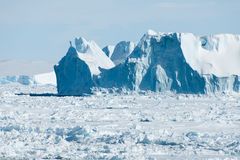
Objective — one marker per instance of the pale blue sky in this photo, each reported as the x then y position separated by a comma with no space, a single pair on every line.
41,29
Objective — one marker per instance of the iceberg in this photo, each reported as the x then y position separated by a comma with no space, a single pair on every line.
177,62
158,64
38,79
76,71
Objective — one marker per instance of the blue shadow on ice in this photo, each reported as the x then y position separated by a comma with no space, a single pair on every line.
47,95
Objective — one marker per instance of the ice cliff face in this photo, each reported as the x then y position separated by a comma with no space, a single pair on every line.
73,75
216,57
158,64
121,51
75,72
178,62
108,50
221,84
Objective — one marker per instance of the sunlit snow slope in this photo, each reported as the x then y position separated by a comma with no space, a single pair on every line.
92,54
215,54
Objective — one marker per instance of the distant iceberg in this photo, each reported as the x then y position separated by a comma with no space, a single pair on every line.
38,79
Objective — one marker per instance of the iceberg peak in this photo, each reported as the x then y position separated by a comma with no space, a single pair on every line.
151,32
72,52
81,44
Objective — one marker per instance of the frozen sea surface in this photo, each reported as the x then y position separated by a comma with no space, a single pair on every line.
117,126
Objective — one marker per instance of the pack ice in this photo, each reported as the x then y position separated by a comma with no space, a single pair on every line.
178,62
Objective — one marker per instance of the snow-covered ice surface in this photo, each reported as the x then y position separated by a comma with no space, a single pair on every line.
117,126
214,54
